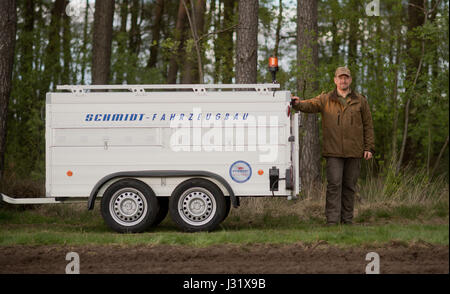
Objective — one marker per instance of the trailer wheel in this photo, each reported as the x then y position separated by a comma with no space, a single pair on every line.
129,206
197,205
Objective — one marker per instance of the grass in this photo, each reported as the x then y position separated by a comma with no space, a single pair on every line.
167,234
72,224
406,208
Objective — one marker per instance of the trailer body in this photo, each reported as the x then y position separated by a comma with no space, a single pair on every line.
243,139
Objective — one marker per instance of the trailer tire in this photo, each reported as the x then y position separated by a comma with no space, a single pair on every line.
197,205
129,206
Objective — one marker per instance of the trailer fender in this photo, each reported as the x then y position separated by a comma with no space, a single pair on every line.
158,174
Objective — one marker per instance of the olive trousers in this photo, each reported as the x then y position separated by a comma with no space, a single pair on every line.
342,177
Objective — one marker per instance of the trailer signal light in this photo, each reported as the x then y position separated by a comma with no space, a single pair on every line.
69,173
260,172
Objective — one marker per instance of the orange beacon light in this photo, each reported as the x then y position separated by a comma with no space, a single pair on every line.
273,68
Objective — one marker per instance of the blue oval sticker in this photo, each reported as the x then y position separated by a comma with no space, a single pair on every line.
240,171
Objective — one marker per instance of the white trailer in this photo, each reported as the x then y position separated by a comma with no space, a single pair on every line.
146,150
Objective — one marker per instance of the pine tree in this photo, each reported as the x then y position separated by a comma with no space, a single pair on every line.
8,23
102,38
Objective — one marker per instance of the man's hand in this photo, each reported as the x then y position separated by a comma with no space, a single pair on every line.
295,100
367,155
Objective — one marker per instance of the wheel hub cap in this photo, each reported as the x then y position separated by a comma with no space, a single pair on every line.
197,206
128,207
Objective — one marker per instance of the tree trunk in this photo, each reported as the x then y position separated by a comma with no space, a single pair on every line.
436,164
102,37
217,26
188,60
52,52
192,69
8,24
134,42
335,41
308,62
85,41
416,18
156,28
200,25
226,41
25,62
247,42
335,9
135,36
395,96
353,38
179,40
67,54
278,29
122,43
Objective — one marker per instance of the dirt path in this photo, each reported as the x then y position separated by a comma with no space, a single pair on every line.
231,259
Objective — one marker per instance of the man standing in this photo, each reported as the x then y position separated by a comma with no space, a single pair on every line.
348,136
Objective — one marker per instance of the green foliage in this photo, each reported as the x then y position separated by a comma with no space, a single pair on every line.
385,57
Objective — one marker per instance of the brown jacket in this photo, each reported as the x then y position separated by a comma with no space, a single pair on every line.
347,131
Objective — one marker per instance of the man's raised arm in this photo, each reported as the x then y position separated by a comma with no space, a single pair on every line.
312,105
